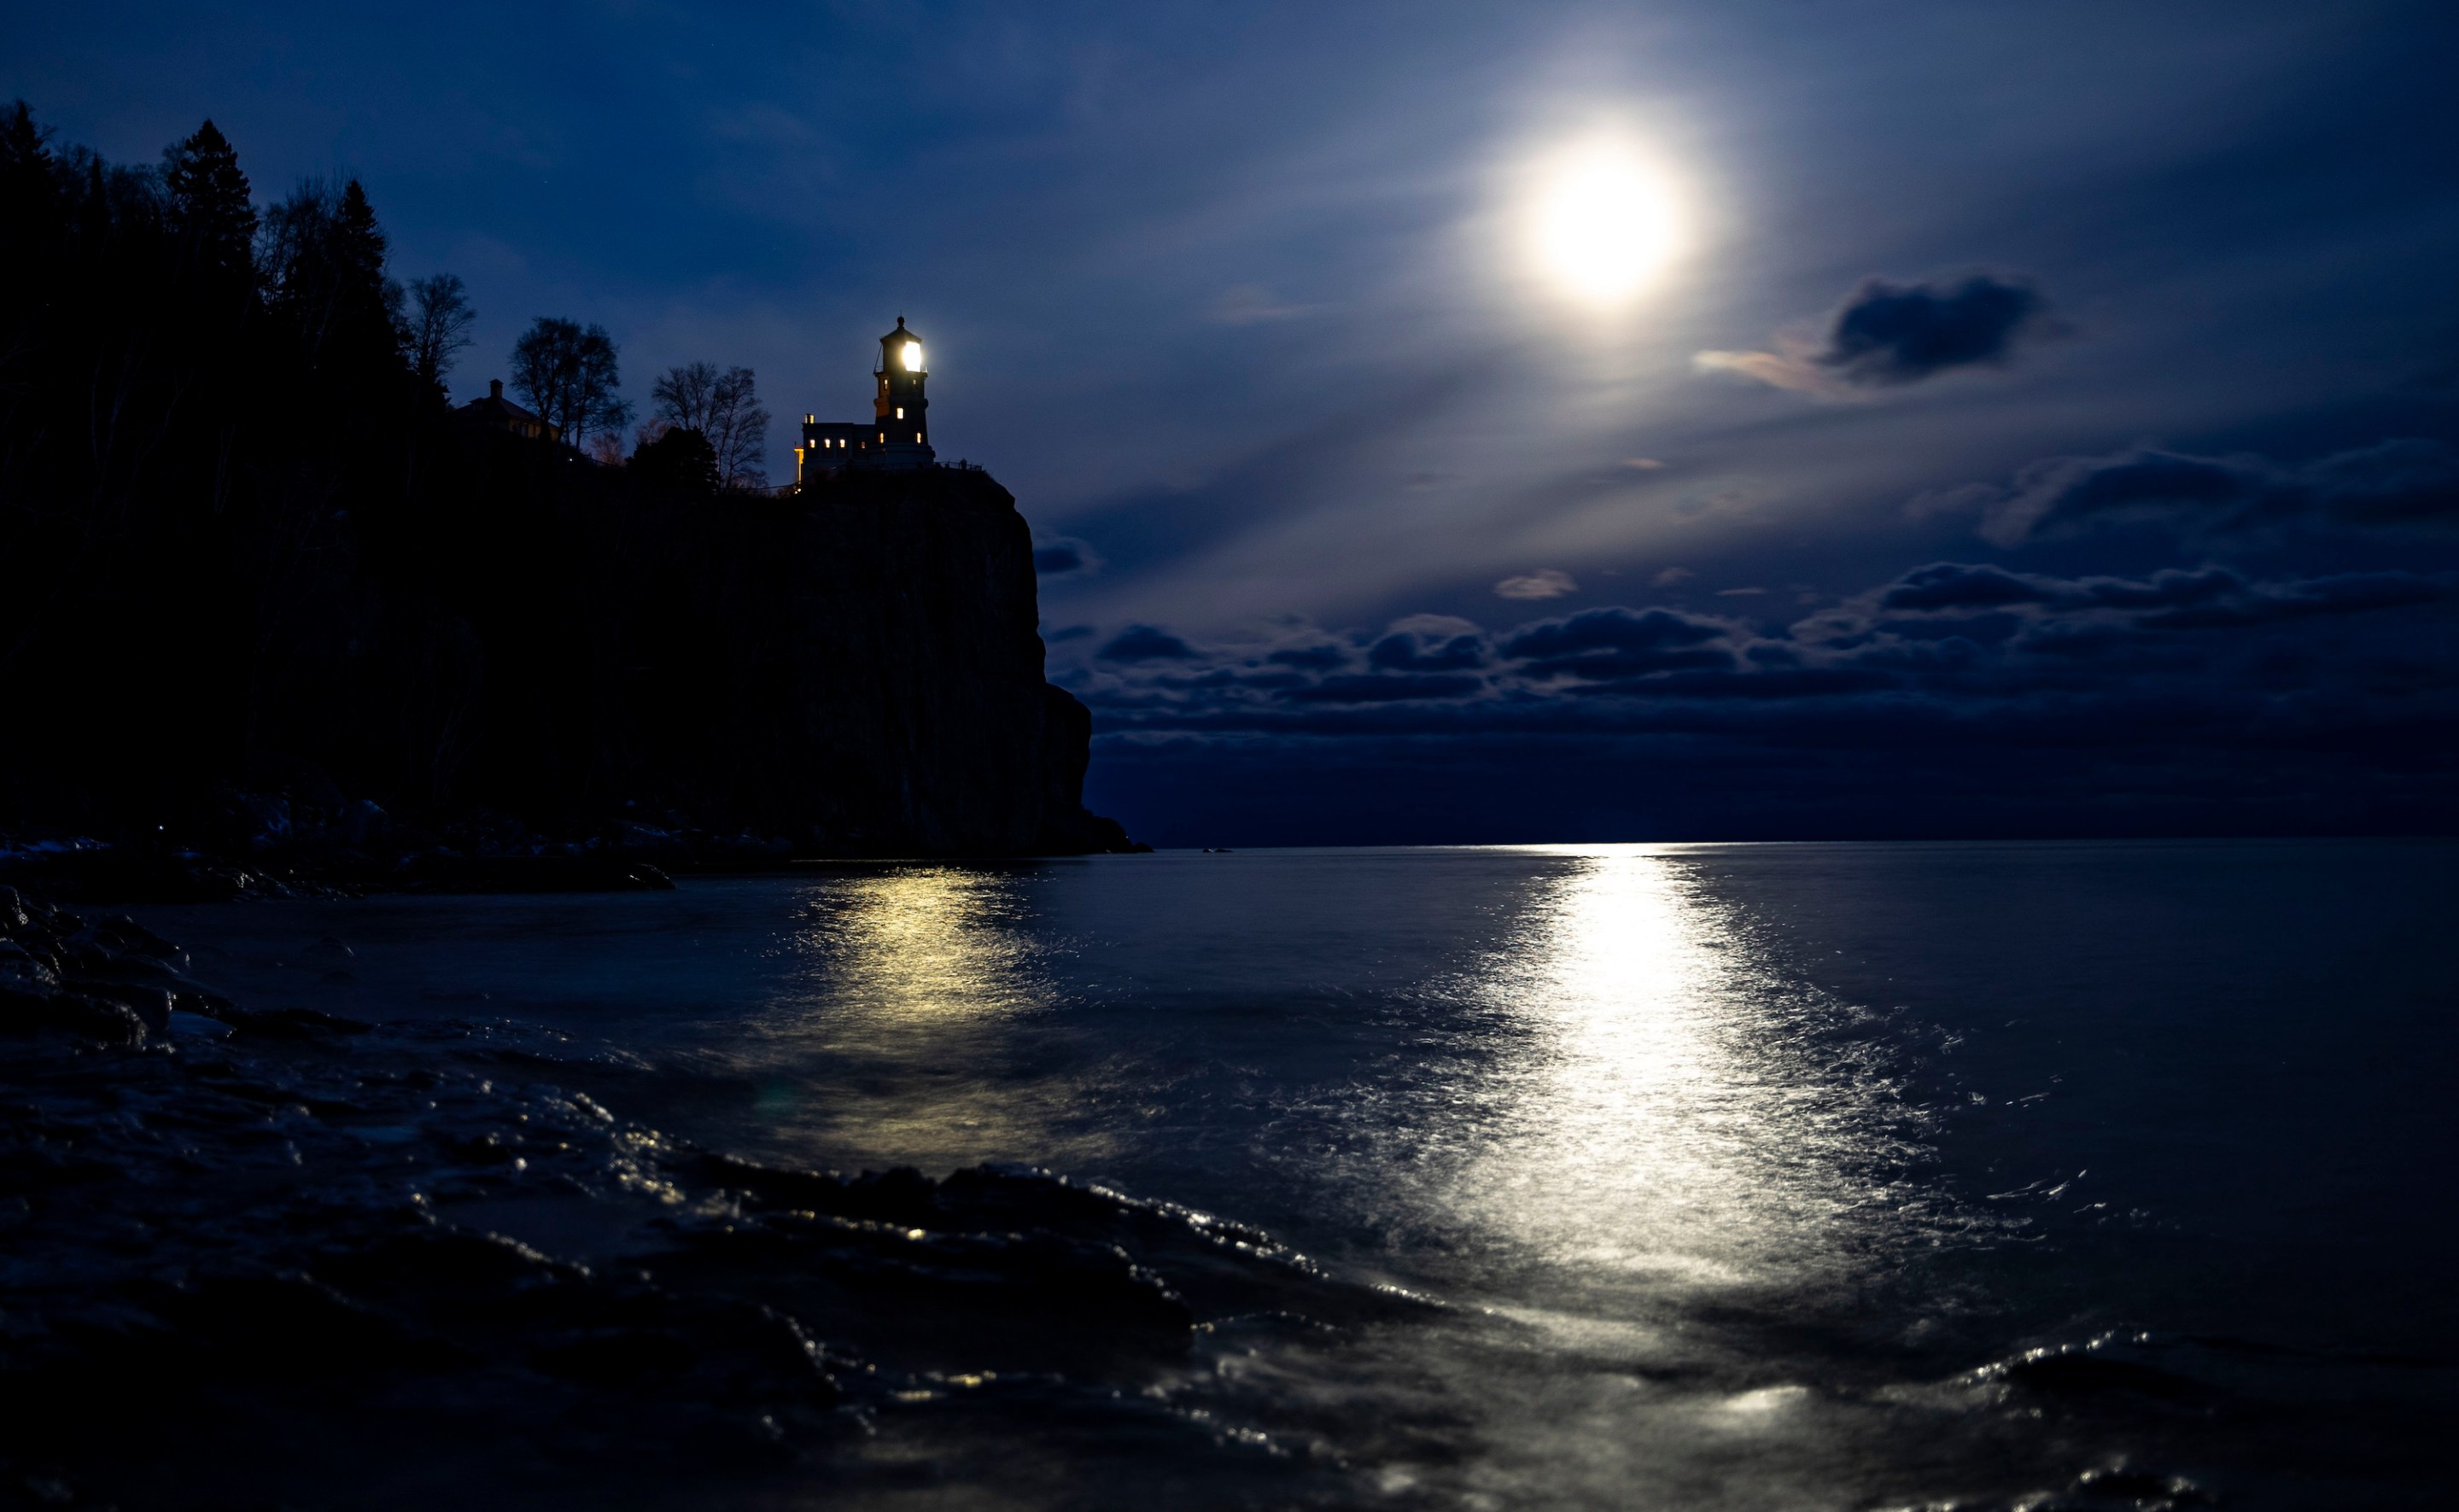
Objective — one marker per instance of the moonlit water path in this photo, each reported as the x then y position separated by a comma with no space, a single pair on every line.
1758,1176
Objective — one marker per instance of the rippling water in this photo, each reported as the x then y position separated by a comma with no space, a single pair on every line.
1759,1176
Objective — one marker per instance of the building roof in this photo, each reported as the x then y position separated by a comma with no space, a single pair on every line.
900,330
495,406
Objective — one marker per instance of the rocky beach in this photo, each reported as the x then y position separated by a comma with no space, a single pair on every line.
269,1258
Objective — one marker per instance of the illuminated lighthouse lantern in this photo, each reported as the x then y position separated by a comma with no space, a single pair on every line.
900,409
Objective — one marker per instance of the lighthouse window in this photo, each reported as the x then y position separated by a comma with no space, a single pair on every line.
900,414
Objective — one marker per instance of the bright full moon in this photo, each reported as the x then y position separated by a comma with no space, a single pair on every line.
1603,225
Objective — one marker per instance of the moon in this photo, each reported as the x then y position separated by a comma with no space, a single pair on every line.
1603,225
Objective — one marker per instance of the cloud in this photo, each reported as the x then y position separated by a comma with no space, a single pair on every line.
1900,333
1995,603
1954,585
2397,484
1673,577
1063,557
1968,651
1795,368
1407,651
1615,629
1322,657
1436,624
1887,335
2343,594
1373,688
1610,643
2067,495
1545,582
1142,643
2403,482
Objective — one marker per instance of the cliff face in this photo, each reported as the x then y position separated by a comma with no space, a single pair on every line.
919,716
855,670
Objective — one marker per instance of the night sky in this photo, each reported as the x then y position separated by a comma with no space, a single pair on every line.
1530,421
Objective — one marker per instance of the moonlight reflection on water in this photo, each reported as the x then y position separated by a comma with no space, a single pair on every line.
1751,1176
1665,1108
894,1037
1625,1103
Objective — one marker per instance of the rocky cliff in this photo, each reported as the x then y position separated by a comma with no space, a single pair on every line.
895,689
565,650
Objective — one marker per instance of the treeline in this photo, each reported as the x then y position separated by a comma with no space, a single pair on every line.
243,533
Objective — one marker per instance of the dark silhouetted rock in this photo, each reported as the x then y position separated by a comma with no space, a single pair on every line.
266,1269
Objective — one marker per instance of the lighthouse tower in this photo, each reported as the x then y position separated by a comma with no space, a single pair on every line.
902,414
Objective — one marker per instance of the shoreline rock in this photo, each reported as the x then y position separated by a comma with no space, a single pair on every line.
298,1259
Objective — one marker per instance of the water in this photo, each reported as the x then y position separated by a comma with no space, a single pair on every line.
2088,1175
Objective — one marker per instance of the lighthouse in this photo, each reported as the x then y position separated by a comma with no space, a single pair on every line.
899,437
901,411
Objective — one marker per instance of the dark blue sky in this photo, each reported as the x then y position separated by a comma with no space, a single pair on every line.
2038,419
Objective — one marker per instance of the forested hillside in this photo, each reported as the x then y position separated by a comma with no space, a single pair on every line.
258,581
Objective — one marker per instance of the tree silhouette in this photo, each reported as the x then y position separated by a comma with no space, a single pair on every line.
569,376
210,209
440,318
30,207
25,156
324,270
724,409
678,459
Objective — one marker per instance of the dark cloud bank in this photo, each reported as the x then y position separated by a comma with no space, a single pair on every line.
2408,484
1961,698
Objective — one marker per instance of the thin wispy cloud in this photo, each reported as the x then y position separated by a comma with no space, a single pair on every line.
1545,582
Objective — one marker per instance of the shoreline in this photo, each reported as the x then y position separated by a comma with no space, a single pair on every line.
332,1290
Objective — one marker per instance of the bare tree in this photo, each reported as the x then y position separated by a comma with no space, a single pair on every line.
569,377
439,325
724,406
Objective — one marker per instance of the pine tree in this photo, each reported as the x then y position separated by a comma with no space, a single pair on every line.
211,209
324,273
358,245
29,210
28,186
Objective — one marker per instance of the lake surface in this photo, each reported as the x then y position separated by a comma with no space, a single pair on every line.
2086,1175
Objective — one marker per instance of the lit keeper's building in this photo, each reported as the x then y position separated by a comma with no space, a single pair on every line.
898,436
